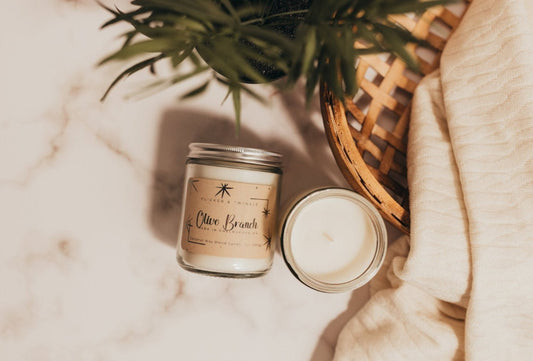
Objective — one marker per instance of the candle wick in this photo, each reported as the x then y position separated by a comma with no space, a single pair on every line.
328,237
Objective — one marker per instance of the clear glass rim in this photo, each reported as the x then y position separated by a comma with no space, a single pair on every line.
234,154
376,221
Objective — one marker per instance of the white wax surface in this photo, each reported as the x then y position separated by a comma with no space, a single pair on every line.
226,264
332,239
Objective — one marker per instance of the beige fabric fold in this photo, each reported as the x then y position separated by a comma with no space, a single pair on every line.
461,287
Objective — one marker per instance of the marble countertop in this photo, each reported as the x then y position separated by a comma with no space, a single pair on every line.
90,197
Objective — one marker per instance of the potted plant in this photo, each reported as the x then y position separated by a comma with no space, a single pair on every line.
238,42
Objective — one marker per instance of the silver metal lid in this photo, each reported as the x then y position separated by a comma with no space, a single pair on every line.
234,154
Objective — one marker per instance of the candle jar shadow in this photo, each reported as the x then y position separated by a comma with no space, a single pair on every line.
177,129
304,167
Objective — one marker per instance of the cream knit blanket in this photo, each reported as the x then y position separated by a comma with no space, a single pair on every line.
462,286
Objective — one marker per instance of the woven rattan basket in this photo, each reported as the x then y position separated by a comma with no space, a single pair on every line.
368,134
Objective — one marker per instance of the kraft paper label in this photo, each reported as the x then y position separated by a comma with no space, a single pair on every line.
229,219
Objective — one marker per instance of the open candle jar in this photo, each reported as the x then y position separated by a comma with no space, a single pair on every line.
333,240
228,220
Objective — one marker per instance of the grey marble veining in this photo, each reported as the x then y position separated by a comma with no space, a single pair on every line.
90,198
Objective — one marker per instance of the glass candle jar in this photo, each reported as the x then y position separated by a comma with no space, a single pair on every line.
333,240
228,219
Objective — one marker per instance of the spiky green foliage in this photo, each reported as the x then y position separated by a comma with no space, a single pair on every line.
254,41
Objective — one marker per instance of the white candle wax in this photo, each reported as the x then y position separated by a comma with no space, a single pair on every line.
333,240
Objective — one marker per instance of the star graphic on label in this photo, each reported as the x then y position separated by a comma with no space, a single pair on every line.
224,189
188,227
268,241
193,184
266,212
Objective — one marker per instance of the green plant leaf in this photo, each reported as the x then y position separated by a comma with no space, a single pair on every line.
178,57
231,10
120,16
396,44
204,10
196,91
309,49
253,94
227,59
162,84
246,89
238,39
347,62
331,77
140,48
228,93
129,71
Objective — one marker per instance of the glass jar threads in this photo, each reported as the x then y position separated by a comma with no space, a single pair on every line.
228,220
